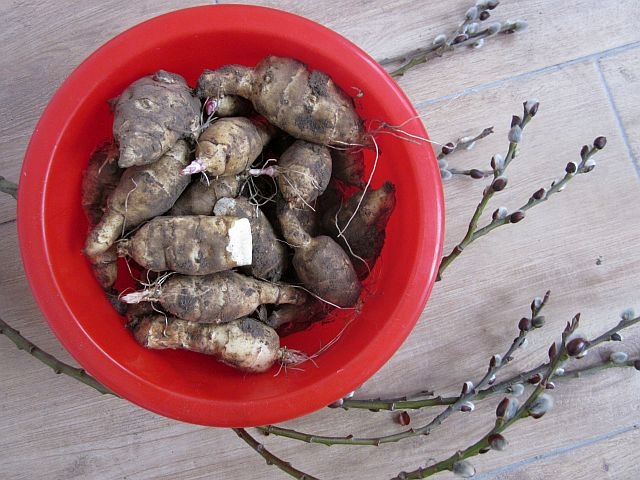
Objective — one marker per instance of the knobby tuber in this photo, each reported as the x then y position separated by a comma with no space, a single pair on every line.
100,179
245,344
303,172
151,115
348,166
143,192
359,225
321,264
216,298
192,245
306,104
211,255
269,254
201,195
229,145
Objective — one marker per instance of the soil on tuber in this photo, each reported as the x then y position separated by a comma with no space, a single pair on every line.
245,344
201,195
151,115
229,145
359,225
191,245
269,254
320,263
216,298
303,172
305,103
143,192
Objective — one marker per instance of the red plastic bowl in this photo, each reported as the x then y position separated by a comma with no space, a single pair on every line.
182,385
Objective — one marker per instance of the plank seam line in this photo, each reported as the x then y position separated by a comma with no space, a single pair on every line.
514,467
13,220
530,74
616,115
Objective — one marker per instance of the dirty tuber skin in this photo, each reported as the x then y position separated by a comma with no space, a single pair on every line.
151,115
306,104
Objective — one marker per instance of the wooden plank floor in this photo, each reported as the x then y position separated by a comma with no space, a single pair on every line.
580,59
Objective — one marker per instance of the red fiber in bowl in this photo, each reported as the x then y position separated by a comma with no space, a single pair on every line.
182,385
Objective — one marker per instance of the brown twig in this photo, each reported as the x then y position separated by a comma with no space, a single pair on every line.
270,458
8,187
51,361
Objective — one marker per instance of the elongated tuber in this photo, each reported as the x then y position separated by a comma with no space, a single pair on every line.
229,146
216,298
245,344
192,245
100,179
321,264
151,115
288,319
142,193
348,166
306,104
359,225
269,254
303,172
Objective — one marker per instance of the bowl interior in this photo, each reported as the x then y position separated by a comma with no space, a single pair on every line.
191,387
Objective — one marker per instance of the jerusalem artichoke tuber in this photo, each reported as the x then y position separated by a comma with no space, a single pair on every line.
245,344
143,192
269,256
306,104
216,298
192,245
151,115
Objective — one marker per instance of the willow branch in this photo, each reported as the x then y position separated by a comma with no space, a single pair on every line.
463,143
461,402
8,187
270,458
540,196
499,164
51,361
504,386
498,184
503,421
471,32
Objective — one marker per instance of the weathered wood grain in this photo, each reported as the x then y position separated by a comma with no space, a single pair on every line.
622,74
42,44
559,32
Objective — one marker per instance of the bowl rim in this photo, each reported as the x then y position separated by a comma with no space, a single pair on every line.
36,256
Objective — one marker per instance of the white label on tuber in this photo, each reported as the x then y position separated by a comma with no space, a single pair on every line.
240,242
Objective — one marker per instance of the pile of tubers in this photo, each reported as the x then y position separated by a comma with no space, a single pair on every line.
241,207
